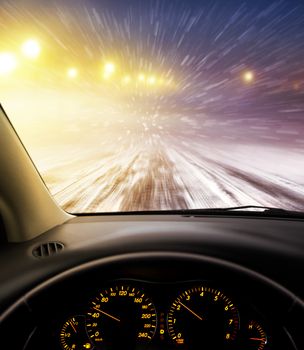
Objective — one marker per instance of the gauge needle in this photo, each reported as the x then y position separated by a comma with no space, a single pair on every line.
196,315
258,339
73,326
114,318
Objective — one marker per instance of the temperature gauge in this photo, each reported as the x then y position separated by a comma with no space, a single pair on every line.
256,336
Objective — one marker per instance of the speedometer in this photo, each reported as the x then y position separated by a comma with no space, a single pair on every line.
121,316
203,317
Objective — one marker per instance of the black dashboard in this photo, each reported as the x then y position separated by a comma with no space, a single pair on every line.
168,283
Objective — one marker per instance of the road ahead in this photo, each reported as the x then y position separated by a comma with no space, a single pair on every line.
178,176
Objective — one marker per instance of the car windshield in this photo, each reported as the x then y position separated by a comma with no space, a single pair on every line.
158,104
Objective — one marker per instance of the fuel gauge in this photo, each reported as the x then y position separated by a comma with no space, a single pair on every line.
256,338
73,335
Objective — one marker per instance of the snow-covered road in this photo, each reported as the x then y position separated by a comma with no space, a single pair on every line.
177,175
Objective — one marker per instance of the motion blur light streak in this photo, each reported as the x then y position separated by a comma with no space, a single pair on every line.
179,104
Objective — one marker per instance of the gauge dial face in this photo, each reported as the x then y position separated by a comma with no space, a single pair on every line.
203,316
121,316
73,335
256,336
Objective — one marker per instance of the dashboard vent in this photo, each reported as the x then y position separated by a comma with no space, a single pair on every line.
47,249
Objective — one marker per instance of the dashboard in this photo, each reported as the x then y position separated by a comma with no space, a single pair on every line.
139,314
135,286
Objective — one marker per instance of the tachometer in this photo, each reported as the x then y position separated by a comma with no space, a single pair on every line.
121,316
203,317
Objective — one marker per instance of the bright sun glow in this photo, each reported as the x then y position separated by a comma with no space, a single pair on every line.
31,49
8,63
72,73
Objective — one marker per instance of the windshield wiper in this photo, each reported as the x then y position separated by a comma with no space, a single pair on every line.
246,210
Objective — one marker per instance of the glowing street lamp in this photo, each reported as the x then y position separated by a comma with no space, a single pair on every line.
141,78
72,73
8,63
108,70
31,49
126,79
248,77
151,80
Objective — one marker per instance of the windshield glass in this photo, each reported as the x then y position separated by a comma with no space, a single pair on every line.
154,105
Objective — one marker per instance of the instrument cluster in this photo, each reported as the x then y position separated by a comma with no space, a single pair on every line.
144,315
